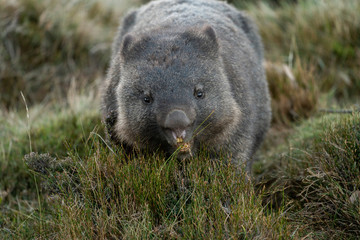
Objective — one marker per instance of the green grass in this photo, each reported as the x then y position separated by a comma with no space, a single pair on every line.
52,129
318,176
305,184
107,194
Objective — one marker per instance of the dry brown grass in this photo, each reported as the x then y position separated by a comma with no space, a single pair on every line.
293,91
323,33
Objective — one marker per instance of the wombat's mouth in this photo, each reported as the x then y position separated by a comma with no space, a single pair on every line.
178,135
179,139
183,146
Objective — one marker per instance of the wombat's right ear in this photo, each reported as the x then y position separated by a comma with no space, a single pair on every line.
203,38
127,44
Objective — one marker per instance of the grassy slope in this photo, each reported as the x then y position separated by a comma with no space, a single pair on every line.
56,129
306,180
316,175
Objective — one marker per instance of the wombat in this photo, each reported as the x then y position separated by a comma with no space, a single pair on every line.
186,74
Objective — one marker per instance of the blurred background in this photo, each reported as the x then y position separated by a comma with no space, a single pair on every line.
46,46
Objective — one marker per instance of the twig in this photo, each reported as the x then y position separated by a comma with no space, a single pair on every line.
28,120
340,111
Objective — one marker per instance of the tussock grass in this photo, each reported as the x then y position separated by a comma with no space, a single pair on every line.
319,176
110,194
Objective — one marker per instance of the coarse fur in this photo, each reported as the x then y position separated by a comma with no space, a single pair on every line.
189,69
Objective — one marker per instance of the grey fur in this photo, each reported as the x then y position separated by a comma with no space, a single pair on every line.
170,50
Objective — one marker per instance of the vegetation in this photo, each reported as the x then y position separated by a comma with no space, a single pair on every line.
59,178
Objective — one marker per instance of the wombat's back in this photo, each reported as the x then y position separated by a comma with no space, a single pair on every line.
186,14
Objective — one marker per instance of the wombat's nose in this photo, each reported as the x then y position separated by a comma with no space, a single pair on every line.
177,119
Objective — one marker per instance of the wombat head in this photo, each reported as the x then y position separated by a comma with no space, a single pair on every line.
172,89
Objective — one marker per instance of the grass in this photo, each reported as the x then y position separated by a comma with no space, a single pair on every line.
151,196
305,183
294,92
324,34
319,176
55,130
42,50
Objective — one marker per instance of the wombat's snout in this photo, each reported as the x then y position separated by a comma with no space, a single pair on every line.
177,122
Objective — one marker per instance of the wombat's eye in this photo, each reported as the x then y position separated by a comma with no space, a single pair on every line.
199,94
147,99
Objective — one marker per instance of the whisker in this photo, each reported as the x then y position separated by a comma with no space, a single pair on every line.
204,121
200,131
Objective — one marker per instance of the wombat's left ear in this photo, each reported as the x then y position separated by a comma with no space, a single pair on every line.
203,38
